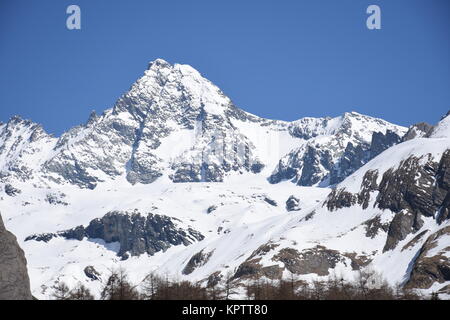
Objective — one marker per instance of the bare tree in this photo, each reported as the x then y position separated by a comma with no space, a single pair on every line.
61,291
229,286
81,293
118,287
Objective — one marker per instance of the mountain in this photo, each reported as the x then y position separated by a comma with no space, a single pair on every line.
178,180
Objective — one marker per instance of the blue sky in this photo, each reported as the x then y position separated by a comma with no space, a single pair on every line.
277,59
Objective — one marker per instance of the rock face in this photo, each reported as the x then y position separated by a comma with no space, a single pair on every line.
419,187
197,260
334,149
419,130
430,268
136,234
14,281
293,204
318,260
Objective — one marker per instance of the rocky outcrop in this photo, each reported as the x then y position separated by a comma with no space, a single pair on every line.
373,227
136,234
293,204
419,187
318,260
11,191
381,142
355,157
339,198
430,268
14,280
419,130
334,149
197,260
252,268
91,273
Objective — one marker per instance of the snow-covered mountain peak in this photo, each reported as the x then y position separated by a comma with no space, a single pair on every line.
164,85
442,130
158,63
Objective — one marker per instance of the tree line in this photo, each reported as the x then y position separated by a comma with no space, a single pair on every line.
367,286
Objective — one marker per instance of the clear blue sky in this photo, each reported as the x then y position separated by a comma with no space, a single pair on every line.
277,59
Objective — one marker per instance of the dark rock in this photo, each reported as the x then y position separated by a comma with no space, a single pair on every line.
14,280
352,159
211,209
368,185
313,163
91,273
293,204
136,234
401,226
56,199
381,142
270,201
373,226
11,191
197,260
339,199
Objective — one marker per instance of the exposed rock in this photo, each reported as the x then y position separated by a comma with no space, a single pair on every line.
136,234
56,199
14,280
91,273
316,260
353,158
427,269
418,130
339,199
251,267
414,241
374,225
381,142
293,204
357,261
197,260
410,187
270,201
324,160
401,226
211,209
419,187
368,185
11,191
